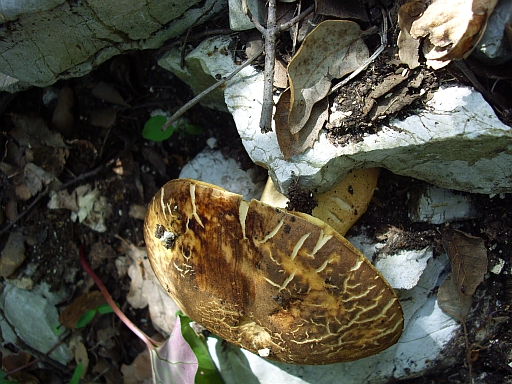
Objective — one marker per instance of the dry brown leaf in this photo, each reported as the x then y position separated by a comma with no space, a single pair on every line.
63,118
109,93
13,254
74,311
139,372
104,117
468,257
449,28
332,50
294,144
407,45
145,290
451,301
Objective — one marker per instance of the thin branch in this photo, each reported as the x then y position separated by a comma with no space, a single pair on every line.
270,58
270,35
207,91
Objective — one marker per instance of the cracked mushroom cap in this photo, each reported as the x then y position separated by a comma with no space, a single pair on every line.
284,286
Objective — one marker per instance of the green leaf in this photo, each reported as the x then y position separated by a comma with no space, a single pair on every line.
105,308
153,129
79,370
193,129
207,371
86,318
58,329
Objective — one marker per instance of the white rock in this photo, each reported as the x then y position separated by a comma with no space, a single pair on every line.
404,269
456,142
212,167
439,205
33,315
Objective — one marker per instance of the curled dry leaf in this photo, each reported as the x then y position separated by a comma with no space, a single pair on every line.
332,50
63,118
407,45
294,144
449,29
146,291
451,301
468,257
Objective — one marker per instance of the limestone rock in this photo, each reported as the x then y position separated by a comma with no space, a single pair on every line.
43,41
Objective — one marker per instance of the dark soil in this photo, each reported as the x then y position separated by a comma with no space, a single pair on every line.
128,169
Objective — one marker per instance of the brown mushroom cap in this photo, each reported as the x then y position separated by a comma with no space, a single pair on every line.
267,280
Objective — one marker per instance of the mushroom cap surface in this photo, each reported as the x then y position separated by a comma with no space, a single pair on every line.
270,281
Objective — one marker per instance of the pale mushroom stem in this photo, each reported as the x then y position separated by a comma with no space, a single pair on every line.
150,343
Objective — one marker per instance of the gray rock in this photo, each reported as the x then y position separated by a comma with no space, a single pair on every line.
43,41
32,316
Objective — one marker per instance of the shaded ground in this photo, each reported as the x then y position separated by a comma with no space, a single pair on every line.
128,170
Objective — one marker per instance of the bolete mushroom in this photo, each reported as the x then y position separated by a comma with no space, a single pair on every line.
282,285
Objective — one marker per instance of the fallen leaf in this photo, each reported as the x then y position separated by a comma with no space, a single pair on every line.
63,118
104,117
468,257
294,144
146,290
138,372
77,348
93,209
332,50
32,131
77,308
451,301
450,27
36,178
408,46
174,361
13,254
108,93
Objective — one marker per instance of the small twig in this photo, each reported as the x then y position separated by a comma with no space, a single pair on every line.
383,43
207,91
27,210
270,34
44,357
150,343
